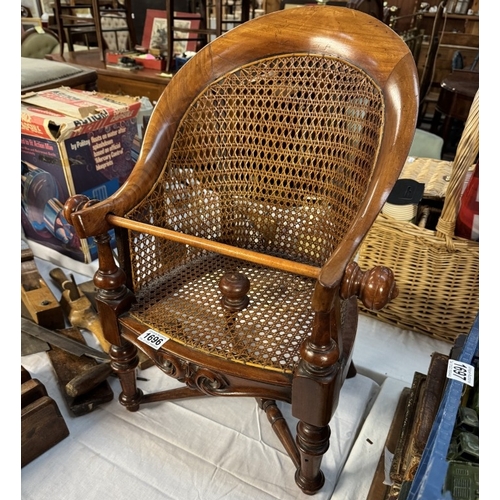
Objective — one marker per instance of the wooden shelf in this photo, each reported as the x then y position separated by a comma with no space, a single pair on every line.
463,17
144,82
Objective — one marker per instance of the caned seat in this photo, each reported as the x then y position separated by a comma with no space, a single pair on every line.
264,165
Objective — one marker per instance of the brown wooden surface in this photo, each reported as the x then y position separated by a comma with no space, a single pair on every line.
25,375
444,57
410,429
144,82
454,22
457,93
31,390
294,40
454,101
447,33
88,379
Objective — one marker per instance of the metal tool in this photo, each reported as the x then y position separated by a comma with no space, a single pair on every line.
61,341
78,307
32,345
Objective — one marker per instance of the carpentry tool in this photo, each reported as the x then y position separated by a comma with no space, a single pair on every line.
61,341
78,308
37,300
32,345
83,379
81,313
68,366
90,376
88,379
42,425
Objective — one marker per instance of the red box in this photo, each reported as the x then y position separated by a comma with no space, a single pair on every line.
145,60
114,57
148,63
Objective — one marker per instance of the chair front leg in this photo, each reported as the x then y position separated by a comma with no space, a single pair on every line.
124,361
313,442
113,299
315,391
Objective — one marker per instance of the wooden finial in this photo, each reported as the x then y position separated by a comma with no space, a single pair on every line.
234,288
375,287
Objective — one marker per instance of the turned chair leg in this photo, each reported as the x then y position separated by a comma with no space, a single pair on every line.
313,442
124,362
280,427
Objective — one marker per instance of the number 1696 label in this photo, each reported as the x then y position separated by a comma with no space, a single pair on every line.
463,372
153,339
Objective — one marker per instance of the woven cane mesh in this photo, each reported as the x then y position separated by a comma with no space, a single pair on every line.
275,157
268,332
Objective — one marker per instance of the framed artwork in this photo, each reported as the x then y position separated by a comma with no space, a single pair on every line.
155,31
47,7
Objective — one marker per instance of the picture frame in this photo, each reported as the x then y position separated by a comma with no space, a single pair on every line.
47,7
155,31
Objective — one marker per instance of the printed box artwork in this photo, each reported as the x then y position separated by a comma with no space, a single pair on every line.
72,142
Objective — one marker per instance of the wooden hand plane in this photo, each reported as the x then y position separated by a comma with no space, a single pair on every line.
81,314
38,303
78,307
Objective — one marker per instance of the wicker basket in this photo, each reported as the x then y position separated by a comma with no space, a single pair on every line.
437,273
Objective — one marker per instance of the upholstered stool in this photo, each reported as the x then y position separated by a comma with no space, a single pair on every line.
42,74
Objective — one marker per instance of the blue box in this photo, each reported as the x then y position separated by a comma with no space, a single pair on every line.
431,474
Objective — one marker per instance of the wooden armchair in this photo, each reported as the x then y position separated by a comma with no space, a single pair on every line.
265,163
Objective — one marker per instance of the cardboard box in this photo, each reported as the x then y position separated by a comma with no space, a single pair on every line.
72,142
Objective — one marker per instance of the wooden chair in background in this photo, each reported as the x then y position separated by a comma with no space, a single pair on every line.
212,20
71,22
265,163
